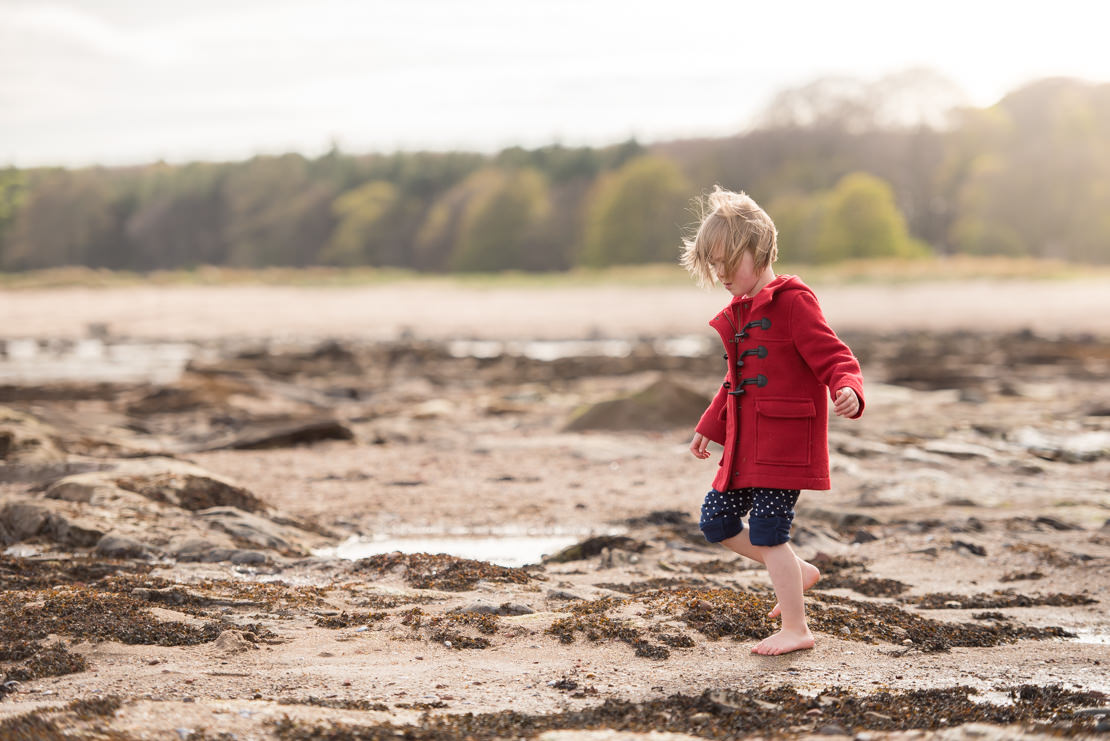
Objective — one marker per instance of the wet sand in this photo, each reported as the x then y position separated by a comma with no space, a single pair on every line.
446,310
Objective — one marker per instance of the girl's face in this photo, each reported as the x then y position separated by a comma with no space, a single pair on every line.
744,281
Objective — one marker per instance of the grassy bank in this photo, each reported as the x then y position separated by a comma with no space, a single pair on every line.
856,271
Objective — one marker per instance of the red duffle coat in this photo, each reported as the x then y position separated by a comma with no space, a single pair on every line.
771,413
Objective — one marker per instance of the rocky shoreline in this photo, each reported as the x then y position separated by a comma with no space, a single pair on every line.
161,577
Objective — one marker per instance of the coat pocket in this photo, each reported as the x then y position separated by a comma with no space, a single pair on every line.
784,431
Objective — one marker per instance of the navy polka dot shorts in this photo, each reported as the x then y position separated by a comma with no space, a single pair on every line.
772,511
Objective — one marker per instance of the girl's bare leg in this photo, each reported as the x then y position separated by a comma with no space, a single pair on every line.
741,544
786,576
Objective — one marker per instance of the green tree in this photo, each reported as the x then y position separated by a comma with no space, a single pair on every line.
66,217
361,233
276,213
177,218
501,219
635,214
1031,175
860,219
798,218
13,189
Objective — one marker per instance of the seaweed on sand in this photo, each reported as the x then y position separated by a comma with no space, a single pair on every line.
443,628
999,598
441,571
726,714
742,615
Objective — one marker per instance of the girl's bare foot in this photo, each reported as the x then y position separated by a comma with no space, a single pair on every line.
784,642
810,575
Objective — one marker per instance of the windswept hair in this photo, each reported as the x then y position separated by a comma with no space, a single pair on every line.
730,224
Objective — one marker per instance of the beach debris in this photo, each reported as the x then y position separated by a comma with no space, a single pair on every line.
441,571
346,620
996,599
772,711
505,608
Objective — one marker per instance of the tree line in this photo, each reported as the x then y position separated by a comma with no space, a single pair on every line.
1029,176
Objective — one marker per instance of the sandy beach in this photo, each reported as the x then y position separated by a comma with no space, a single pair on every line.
196,559
440,310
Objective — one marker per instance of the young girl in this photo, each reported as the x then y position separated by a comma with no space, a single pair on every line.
770,414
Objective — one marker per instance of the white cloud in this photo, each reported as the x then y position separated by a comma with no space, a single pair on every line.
68,26
128,80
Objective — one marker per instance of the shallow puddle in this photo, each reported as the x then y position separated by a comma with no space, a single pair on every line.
503,550
548,350
92,360
1091,636
992,697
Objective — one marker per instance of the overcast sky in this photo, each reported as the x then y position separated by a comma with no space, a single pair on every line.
127,81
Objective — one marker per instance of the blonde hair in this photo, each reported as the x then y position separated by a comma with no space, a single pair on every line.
734,223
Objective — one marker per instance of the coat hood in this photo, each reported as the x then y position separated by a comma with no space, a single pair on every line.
781,284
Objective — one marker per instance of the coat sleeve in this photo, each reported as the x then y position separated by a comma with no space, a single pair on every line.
831,361
712,422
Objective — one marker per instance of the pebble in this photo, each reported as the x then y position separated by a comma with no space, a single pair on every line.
242,557
561,594
975,550
118,546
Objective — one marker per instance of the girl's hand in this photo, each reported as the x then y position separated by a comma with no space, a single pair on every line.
698,446
846,403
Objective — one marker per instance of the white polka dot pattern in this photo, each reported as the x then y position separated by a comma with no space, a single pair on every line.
772,511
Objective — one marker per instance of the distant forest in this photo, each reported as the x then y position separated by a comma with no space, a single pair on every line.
1029,176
